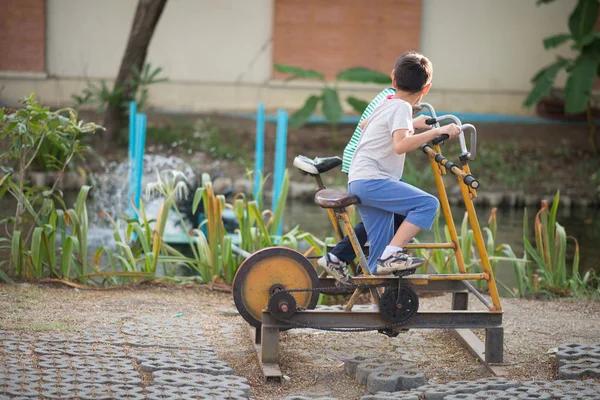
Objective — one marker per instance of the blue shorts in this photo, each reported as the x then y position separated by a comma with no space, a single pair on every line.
380,199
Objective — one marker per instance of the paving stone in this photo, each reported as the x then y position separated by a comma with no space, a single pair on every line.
575,351
497,383
351,363
176,378
586,367
190,392
460,396
130,392
55,390
391,379
80,349
214,367
85,362
96,376
17,372
388,395
300,397
21,388
165,329
186,354
158,392
488,394
92,391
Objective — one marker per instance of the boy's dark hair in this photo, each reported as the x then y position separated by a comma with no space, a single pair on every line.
412,72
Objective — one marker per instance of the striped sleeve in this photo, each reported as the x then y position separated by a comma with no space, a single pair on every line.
351,146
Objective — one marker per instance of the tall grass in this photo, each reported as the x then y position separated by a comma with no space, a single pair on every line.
550,254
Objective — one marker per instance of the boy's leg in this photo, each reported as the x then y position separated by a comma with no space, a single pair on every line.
344,250
397,197
379,225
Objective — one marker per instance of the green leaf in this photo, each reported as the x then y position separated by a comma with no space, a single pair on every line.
556,40
297,72
543,82
331,106
364,75
586,40
357,105
36,245
67,257
300,117
6,278
583,18
197,199
16,251
579,84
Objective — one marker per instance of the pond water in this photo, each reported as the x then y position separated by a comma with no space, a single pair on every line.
581,223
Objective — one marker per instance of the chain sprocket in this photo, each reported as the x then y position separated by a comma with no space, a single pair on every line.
399,304
381,328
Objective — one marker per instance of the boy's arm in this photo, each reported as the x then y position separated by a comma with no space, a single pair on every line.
364,123
405,141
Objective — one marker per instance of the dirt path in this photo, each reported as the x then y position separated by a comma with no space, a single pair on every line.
312,360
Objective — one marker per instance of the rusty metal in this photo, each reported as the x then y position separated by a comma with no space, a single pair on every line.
269,269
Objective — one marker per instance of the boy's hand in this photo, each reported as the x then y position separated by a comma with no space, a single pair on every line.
419,122
452,130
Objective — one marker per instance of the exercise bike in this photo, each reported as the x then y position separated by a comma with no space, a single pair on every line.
278,288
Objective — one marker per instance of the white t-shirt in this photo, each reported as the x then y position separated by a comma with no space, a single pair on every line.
375,157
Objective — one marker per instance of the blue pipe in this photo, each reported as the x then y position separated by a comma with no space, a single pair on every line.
259,150
140,143
132,144
280,156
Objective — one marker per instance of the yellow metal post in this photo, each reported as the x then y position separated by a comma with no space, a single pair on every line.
347,225
439,182
485,261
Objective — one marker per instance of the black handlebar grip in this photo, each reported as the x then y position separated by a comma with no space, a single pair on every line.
471,181
440,139
431,121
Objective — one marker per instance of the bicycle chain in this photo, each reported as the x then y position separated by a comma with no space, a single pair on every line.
337,289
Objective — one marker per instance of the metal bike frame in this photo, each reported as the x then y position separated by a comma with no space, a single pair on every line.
458,318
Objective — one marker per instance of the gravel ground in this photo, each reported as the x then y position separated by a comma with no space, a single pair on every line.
312,361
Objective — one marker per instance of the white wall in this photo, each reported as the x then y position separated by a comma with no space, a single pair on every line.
490,45
217,53
195,40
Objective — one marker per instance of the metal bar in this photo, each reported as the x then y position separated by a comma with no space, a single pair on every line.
471,342
445,204
430,246
348,307
269,352
494,345
271,371
460,301
418,285
485,261
478,295
370,319
458,277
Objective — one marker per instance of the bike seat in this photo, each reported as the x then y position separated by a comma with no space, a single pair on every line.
330,198
316,166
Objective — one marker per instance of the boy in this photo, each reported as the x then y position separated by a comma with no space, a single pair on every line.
336,262
377,165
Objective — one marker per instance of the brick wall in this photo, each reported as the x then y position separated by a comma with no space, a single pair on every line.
332,35
23,35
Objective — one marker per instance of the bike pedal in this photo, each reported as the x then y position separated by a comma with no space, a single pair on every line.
405,272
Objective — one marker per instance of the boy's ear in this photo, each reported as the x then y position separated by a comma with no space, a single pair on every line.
425,90
393,80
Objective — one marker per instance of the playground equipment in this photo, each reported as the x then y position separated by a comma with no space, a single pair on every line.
137,142
278,288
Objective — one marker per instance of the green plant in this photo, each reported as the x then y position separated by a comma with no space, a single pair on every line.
443,261
550,255
581,70
101,95
23,133
329,97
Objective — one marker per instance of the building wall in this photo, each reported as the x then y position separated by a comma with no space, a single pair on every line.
22,36
218,55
